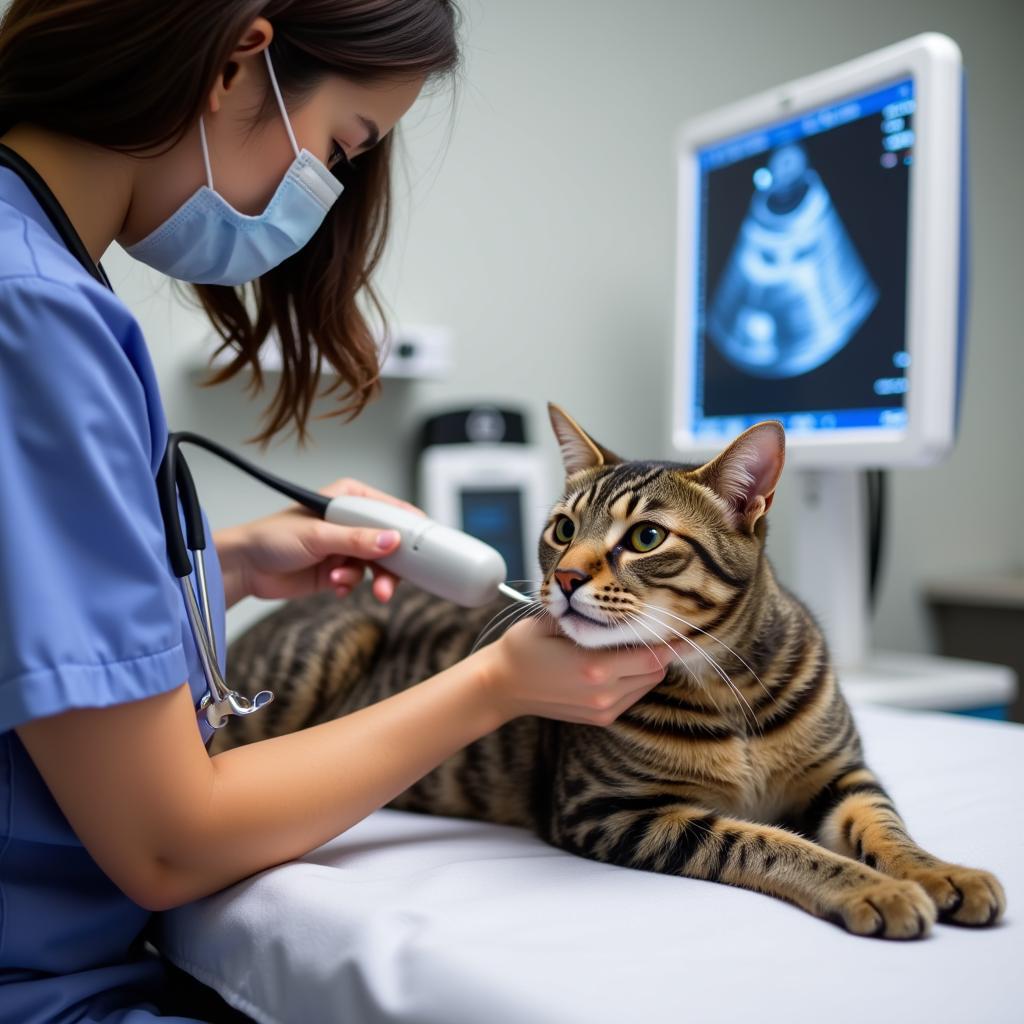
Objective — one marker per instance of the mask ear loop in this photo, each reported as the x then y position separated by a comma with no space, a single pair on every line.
280,102
206,153
280,106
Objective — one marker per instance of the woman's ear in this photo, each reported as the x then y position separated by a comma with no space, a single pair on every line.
254,41
745,475
579,449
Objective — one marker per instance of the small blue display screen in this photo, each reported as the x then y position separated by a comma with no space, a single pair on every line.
496,518
801,270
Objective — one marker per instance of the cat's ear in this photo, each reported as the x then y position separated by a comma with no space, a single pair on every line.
744,476
579,450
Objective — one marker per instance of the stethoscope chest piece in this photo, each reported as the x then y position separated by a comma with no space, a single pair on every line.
218,702
233,703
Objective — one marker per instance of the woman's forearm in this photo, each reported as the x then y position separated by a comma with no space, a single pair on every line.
274,800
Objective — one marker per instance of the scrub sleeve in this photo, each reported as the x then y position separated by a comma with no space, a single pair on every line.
91,614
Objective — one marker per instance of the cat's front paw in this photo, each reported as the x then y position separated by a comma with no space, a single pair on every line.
961,895
889,908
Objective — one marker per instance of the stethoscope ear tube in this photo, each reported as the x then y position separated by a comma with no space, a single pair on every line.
168,479
174,475
195,534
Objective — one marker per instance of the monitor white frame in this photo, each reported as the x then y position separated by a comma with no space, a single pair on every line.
934,62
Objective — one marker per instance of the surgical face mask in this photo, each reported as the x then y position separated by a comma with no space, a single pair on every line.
207,241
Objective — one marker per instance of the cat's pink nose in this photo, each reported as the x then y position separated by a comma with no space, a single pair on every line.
570,579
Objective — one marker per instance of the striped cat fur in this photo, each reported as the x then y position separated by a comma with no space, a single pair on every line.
742,766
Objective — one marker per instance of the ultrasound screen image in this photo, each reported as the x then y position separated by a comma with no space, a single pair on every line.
794,291
802,269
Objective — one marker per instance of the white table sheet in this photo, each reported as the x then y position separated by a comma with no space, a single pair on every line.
414,918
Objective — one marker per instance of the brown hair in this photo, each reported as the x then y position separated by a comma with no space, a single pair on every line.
132,75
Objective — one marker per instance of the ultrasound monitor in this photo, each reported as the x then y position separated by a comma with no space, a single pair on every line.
819,277
820,282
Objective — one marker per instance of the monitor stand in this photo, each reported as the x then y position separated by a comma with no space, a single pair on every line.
831,579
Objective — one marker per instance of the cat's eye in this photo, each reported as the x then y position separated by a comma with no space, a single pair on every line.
646,537
565,529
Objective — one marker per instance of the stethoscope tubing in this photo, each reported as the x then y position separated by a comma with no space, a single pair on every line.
174,480
174,474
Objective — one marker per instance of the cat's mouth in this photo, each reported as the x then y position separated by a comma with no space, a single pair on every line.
573,613
589,632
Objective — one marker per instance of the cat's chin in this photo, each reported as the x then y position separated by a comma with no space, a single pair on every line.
586,632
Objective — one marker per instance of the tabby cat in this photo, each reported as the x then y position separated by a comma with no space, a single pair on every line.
742,766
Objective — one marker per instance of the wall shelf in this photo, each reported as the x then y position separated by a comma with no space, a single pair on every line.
416,352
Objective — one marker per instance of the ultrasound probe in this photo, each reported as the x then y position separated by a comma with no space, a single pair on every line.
442,560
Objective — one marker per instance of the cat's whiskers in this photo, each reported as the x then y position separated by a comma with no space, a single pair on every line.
711,661
511,616
722,674
497,615
507,617
521,609
686,622
686,667
705,691
641,639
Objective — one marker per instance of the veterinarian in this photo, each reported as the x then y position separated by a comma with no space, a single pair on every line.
244,148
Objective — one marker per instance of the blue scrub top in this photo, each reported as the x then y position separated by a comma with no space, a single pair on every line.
90,612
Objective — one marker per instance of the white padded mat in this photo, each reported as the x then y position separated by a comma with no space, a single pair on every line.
414,918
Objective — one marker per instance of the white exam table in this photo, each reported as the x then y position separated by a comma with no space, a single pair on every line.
414,918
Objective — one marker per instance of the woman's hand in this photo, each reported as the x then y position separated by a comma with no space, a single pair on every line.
534,670
293,552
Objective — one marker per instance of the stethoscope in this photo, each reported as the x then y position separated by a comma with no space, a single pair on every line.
446,561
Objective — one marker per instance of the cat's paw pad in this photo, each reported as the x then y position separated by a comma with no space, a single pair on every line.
962,895
890,908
